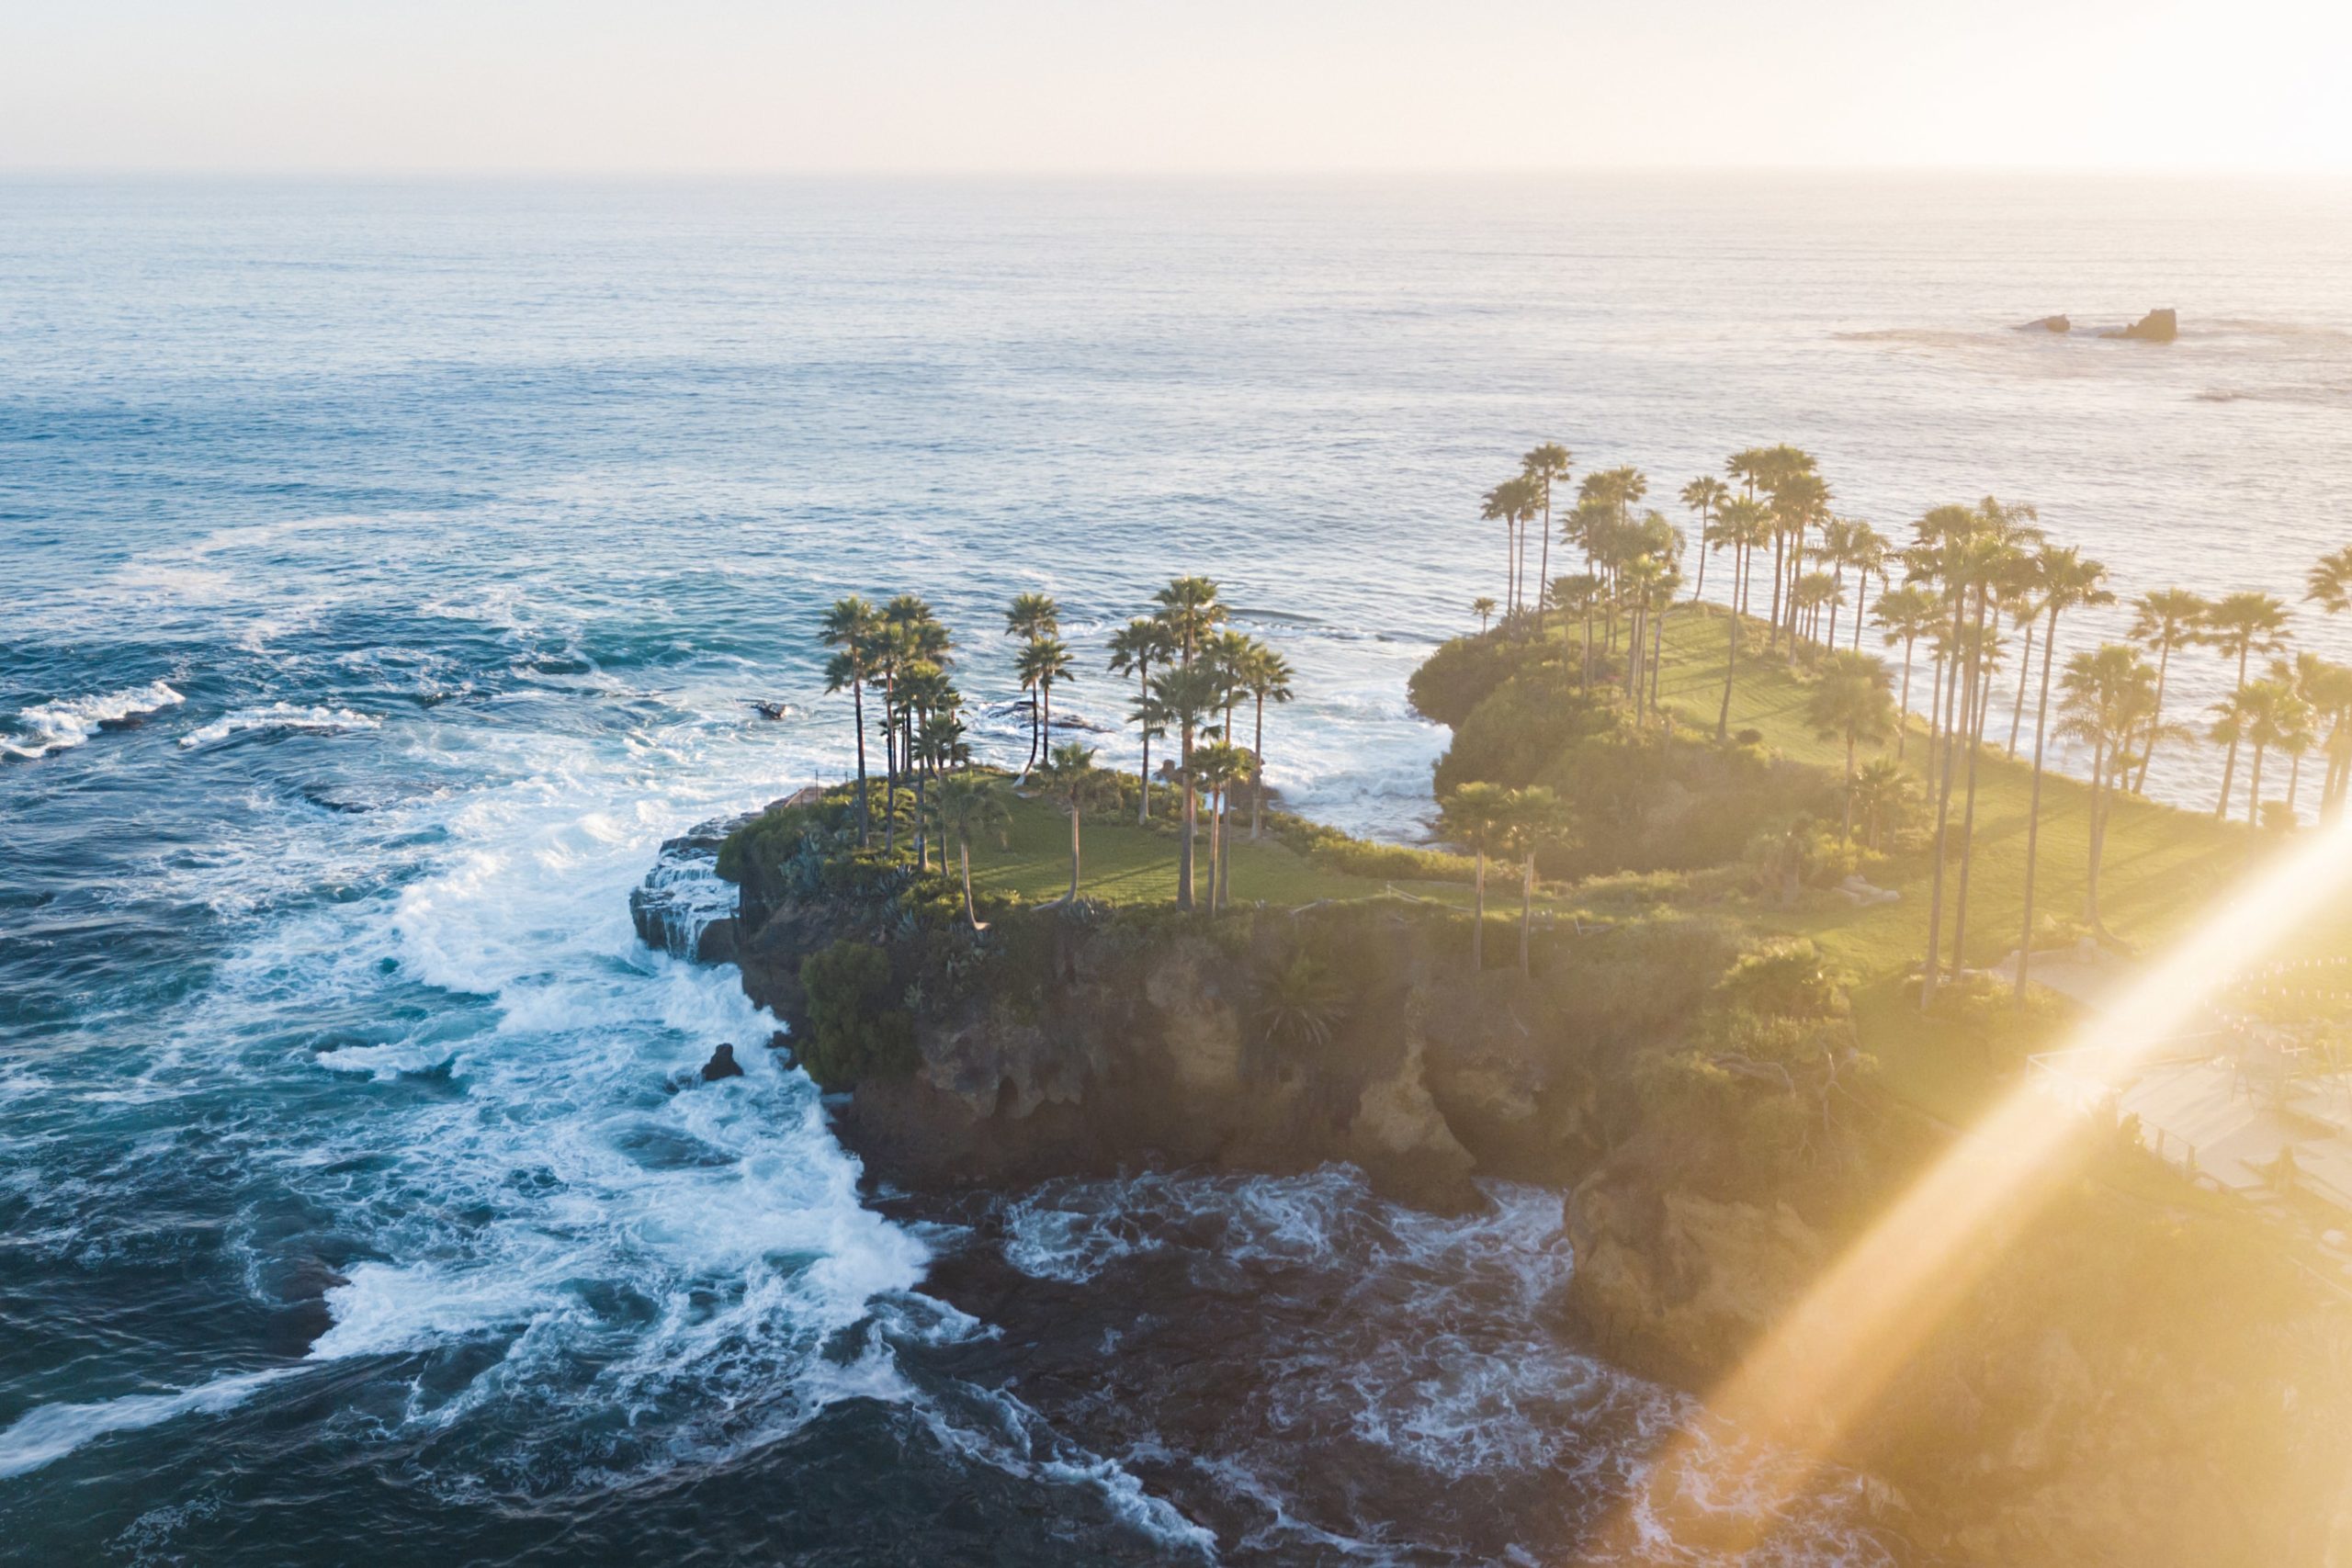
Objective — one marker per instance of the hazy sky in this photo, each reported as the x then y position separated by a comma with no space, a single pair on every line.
1203,84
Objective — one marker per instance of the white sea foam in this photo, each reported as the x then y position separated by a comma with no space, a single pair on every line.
49,1432
61,726
281,716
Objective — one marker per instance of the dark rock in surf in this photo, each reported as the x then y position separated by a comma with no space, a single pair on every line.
722,1065
2156,326
2048,325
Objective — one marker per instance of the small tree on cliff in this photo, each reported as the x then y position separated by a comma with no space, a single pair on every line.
967,806
1478,817
1070,779
1535,820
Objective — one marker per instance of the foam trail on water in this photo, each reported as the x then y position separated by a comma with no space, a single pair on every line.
49,1432
279,716
61,726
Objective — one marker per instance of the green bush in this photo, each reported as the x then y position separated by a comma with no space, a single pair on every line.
1514,733
855,1031
1335,850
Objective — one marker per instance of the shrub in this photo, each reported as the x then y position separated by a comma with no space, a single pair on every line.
853,1031
1335,850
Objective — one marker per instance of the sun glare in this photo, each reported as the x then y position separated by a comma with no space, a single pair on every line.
1806,1382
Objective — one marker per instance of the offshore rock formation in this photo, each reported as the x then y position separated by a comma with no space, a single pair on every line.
2156,326
2048,325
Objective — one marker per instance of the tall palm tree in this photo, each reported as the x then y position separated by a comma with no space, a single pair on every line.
1535,820
1040,665
2161,622
1853,702
1640,577
1497,506
2068,580
1575,596
1546,466
1134,648
1906,615
1868,552
1266,676
1220,765
1070,779
2305,679
2107,698
1478,817
2242,624
850,625
1800,499
969,806
1705,495
1034,616
2265,715
2006,532
923,693
1746,522
1185,699
1514,502
1483,606
2330,690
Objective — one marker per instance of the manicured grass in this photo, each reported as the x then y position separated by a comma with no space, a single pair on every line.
2162,870
1124,864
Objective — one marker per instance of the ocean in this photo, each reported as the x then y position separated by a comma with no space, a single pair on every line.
392,566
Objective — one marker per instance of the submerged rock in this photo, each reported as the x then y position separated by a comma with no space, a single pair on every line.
2048,325
722,1065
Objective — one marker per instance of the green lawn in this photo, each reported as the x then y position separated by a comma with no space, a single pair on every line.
1124,864
2163,865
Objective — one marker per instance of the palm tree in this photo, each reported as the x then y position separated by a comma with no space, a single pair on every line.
1705,495
1812,592
1881,789
850,625
1800,499
1046,662
1070,779
1745,524
1575,596
2329,582
2243,625
2107,699
923,693
2067,581
1514,502
1853,702
969,806
1478,817
1546,465
2161,622
2004,532
1183,699
2265,714
1534,821
1867,551
1483,606
1134,648
1216,768
1265,676
1033,618
1496,506
1189,609
2330,692
1906,614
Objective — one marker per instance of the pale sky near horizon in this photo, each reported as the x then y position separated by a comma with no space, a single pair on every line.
1211,86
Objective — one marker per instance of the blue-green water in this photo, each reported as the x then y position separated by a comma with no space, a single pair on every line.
390,569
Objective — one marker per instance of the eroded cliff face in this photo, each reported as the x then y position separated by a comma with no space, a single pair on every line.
1115,1049
2041,1422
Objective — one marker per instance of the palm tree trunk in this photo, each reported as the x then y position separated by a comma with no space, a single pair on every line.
1478,919
1185,851
964,851
1837,595
1526,908
1216,843
1862,607
2098,834
1846,831
922,827
1730,664
2254,790
1943,817
889,776
1658,653
1968,816
858,700
1143,811
1902,725
2230,767
2155,720
1257,772
2025,669
1073,855
1780,546
2294,786
1543,564
2033,808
